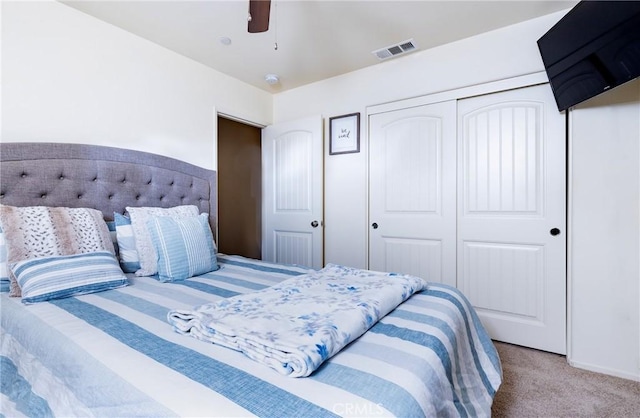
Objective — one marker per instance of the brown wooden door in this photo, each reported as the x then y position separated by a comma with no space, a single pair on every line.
239,189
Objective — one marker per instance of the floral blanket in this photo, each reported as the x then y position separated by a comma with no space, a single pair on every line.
297,324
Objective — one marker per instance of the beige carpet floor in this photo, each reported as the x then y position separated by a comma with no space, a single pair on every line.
541,384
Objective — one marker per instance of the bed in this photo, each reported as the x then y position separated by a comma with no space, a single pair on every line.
113,352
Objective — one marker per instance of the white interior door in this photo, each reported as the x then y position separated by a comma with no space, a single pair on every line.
511,215
292,155
412,191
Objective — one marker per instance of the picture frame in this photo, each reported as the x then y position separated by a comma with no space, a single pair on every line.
344,134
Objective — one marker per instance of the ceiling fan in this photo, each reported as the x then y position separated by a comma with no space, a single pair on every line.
259,15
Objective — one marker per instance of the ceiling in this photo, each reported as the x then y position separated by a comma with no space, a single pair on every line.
315,39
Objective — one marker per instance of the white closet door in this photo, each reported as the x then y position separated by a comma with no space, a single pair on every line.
292,192
511,215
412,191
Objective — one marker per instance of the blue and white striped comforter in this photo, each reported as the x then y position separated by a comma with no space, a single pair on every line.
114,354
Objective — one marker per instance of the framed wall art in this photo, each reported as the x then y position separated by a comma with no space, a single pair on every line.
344,134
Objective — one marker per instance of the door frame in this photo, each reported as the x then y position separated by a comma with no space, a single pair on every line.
216,114
221,113
239,228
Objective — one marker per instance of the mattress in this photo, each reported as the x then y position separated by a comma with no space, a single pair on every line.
113,353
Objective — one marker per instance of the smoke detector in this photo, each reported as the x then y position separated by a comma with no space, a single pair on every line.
394,50
271,79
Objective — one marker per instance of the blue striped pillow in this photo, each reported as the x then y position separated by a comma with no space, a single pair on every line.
4,272
127,253
111,226
184,246
57,277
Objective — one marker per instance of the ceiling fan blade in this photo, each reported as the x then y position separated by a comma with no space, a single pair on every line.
259,11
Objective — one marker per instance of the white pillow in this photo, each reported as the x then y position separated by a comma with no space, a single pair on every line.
139,217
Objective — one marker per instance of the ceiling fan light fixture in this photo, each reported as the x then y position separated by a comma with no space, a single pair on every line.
271,79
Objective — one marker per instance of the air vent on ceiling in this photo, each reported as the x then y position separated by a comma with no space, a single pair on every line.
395,50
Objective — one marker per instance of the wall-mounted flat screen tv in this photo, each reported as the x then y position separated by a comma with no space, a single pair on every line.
593,48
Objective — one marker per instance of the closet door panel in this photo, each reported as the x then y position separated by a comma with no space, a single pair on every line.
511,215
412,191
420,257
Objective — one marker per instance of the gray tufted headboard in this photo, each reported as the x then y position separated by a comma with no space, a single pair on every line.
105,178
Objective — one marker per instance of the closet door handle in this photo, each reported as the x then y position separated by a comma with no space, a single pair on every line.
314,224
374,225
554,231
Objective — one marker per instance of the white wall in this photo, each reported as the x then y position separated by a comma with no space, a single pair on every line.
68,77
604,286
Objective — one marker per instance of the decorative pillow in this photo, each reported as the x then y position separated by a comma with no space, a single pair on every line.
4,273
40,231
59,277
184,246
127,253
111,226
139,217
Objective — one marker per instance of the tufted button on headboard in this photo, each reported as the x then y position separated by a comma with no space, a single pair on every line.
105,178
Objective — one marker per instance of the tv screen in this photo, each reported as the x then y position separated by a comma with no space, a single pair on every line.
593,48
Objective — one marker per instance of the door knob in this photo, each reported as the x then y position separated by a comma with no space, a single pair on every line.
554,231
314,224
374,225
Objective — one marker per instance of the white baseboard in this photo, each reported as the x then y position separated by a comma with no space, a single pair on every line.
604,370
